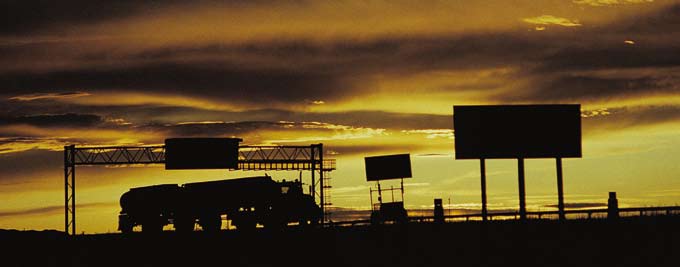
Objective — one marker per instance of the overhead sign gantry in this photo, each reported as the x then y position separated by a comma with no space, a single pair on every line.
250,158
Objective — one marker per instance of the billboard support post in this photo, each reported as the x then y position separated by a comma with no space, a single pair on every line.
392,190
522,193
482,169
402,189
560,189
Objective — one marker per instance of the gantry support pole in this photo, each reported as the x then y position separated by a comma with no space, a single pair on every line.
522,193
321,188
69,190
482,168
560,189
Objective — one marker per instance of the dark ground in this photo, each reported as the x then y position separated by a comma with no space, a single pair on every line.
646,241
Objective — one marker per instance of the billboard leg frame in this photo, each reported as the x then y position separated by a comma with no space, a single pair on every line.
522,191
560,189
482,170
402,189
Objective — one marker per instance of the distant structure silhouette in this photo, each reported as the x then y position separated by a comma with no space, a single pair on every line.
612,206
384,168
245,201
438,211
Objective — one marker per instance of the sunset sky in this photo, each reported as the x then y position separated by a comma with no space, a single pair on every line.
362,77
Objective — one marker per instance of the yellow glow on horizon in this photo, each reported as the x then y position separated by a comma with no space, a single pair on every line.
434,177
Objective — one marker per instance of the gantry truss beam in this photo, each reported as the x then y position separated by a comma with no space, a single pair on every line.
116,155
283,158
252,158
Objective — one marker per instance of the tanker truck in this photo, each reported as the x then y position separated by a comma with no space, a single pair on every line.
245,201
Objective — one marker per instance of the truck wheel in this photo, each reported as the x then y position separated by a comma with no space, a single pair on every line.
125,224
275,224
309,222
376,218
245,225
152,227
185,225
211,223
125,228
403,217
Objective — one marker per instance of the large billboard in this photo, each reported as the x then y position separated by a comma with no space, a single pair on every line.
388,167
517,131
201,153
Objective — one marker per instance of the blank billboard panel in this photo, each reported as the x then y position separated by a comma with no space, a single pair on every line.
517,131
201,153
388,167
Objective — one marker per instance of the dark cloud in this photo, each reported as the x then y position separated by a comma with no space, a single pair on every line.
351,57
629,117
664,21
288,71
560,65
177,121
22,17
579,88
335,73
237,129
20,166
201,79
252,131
51,210
613,54
54,120
159,114
378,119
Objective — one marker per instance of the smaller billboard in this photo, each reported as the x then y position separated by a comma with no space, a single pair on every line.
201,153
388,167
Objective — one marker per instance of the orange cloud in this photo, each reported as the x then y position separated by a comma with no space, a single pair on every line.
37,96
610,2
552,20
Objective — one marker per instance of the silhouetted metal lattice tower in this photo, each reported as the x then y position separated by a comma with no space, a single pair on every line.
328,166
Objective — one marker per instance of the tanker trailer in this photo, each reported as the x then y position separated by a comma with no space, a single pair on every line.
245,201
152,207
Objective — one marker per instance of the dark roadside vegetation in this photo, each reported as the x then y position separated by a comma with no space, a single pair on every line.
640,241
